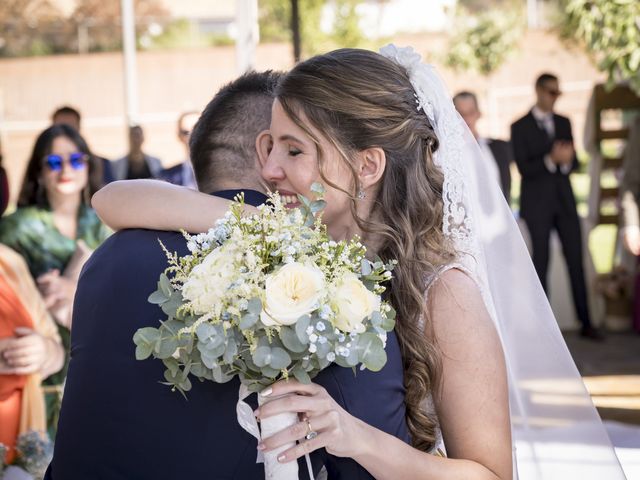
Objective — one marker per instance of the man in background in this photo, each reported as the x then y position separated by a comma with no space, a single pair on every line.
543,148
182,174
498,151
136,164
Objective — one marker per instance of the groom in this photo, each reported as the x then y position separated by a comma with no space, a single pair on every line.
117,420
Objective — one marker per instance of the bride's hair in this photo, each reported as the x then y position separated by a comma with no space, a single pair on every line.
359,99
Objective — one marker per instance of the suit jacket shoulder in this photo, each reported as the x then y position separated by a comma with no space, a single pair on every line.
523,121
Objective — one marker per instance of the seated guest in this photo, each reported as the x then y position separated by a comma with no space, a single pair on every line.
182,174
70,116
30,350
498,151
55,229
136,164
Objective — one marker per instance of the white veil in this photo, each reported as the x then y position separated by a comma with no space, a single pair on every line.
557,432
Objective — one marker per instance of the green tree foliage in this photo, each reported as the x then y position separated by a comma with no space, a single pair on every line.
346,31
31,27
485,43
275,24
610,31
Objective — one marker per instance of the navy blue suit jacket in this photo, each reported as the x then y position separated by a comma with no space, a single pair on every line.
119,422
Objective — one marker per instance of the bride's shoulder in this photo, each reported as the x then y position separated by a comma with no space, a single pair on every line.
456,306
453,283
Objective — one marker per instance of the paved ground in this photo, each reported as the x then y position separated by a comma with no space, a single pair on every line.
611,371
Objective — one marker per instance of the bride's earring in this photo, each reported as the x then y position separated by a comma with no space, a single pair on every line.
361,194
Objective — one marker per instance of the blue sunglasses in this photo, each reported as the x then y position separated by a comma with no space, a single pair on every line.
77,161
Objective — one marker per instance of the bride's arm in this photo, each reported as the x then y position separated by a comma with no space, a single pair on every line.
157,205
472,403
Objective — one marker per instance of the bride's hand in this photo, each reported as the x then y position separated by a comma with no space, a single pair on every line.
340,433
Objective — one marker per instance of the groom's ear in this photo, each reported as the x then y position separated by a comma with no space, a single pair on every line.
264,144
373,161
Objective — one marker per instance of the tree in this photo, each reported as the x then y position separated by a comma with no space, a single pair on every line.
346,31
610,32
275,22
104,23
31,27
485,44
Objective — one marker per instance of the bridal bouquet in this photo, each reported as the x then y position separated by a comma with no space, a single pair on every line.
268,297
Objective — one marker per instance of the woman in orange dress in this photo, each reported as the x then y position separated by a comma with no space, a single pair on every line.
30,350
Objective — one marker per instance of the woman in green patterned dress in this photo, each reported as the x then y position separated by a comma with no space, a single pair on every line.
55,230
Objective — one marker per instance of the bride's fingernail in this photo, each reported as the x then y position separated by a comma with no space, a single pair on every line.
282,458
266,392
261,446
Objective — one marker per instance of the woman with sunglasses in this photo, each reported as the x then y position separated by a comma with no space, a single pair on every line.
55,230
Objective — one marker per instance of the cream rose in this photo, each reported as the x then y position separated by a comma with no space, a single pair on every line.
291,292
352,303
208,281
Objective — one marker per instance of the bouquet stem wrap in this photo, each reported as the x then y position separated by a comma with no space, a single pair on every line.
274,470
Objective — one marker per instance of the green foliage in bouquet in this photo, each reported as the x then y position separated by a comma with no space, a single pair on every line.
267,297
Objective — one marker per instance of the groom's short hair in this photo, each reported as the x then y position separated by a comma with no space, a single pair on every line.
222,142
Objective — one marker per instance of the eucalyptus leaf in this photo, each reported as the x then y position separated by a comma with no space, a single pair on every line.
269,372
171,306
291,341
145,340
255,306
211,349
143,351
388,323
230,351
301,328
279,358
185,385
198,370
262,356
248,320
317,188
376,319
165,285
157,297
365,267
302,376
353,359
166,347
371,351
317,206
219,376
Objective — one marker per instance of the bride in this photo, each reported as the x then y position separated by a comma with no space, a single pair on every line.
380,132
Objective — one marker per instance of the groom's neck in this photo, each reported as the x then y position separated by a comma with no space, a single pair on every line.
234,185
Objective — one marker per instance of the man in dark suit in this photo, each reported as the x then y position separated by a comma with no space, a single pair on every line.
117,420
498,151
544,152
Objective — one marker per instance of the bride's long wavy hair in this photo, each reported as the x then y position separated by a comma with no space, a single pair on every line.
358,99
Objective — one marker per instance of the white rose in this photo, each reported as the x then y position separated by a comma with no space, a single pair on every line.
208,282
352,303
291,292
